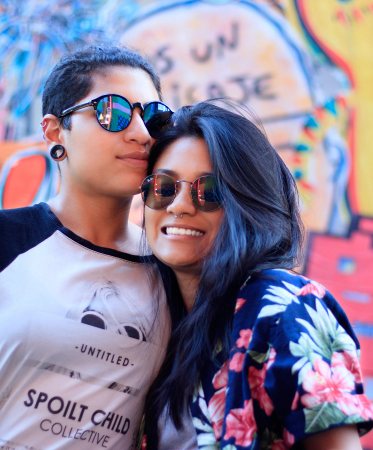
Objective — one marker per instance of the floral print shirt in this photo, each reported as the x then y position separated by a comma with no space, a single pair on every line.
293,370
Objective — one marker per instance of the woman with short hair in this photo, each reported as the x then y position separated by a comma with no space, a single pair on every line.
83,331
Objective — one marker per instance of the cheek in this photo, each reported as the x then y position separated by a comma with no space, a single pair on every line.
216,220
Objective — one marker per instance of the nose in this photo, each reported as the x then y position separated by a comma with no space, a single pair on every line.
136,130
182,203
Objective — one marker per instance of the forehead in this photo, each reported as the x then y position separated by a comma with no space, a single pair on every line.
133,83
187,157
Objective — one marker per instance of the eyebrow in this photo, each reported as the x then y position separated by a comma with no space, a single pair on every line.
174,174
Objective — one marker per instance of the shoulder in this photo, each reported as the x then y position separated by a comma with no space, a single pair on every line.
284,286
21,216
286,299
22,229
274,284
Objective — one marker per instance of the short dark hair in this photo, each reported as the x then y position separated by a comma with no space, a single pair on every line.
71,78
261,229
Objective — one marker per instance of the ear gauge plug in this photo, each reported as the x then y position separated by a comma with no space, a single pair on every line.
58,153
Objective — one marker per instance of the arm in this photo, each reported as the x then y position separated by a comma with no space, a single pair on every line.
343,438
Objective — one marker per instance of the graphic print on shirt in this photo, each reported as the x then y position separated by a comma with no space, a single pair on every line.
78,351
107,308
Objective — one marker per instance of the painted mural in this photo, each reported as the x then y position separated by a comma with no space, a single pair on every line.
304,67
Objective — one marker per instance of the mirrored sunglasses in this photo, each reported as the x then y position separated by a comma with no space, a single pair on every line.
159,190
114,113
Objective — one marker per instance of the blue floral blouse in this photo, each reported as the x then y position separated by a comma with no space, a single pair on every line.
293,370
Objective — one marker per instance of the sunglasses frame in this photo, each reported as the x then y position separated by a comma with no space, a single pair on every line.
94,103
176,191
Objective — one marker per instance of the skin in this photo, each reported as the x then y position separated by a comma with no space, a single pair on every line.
187,159
103,170
343,438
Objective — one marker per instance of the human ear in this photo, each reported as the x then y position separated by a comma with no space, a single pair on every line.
52,130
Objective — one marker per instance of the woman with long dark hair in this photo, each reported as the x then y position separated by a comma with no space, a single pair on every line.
263,357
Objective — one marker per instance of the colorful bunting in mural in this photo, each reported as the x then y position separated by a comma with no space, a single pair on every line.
34,35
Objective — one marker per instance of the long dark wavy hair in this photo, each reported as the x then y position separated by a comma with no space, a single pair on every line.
261,229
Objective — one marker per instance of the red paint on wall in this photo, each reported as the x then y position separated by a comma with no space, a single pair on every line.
23,182
344,265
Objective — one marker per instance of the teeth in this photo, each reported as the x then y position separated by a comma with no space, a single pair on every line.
183,231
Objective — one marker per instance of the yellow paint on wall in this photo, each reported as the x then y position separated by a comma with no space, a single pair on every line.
346,30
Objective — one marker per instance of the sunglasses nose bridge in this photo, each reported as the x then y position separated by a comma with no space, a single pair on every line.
182,201
138,105
177,186
182,181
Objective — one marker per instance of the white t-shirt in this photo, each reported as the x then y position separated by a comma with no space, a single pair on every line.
83,333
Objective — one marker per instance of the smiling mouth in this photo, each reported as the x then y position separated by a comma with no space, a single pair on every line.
174,231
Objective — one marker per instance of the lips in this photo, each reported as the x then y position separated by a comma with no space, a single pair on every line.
144,156
136,159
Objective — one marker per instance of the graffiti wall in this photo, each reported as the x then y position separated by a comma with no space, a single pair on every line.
304,67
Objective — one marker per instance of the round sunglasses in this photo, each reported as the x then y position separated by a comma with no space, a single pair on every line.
114,113
159,190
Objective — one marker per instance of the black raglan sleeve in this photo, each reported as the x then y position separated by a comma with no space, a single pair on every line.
22,229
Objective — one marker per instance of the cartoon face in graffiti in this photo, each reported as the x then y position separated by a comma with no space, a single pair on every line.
249,51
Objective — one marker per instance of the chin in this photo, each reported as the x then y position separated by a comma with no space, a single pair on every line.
124,191
182,265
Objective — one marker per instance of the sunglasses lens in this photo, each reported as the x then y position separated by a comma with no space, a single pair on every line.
156,118
206,194
158,191
113,113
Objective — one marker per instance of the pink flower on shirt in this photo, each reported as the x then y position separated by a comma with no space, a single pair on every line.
256,382
237,361
143,442
220,379
239,304
350,361
312,288
216,408
295,401
288,438
244,339
324,385
241,425
364,406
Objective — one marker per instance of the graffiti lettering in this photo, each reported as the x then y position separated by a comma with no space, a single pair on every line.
250,87
258,87
160,59
214,90
190,99
261,87
202,57
221,44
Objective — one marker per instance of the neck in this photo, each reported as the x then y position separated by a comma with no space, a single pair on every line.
98,219
188,284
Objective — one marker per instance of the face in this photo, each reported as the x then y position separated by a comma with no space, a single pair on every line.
109,163
186,159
